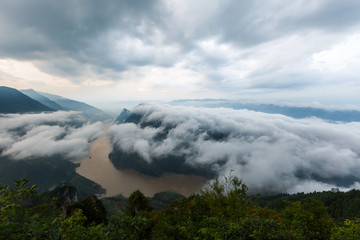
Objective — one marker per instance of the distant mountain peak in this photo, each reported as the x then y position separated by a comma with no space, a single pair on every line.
29,100
14,101
90,112
28,90
125,113
42,99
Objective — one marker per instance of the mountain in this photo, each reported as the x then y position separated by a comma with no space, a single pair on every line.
302,112
343,115
65,195
174,163
42,99
119,204
14,101
47,172
90,112
123,116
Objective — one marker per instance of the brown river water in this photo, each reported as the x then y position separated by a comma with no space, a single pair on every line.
100,169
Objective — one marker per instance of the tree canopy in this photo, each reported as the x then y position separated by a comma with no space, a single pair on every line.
222,210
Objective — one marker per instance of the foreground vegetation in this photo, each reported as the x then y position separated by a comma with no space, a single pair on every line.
221,211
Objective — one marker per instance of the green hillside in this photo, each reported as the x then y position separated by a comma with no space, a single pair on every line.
220,211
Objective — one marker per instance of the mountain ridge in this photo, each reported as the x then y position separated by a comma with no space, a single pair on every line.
42,99
90,112
14,101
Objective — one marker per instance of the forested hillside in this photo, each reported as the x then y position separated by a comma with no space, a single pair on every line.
340,205
223,210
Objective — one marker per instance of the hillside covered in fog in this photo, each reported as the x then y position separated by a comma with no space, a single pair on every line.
270,152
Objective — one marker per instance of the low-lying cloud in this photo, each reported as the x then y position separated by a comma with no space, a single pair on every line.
270,152
24,136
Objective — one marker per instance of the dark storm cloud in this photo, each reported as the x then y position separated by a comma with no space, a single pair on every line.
269,152
69,24
249,22
73,32
24,136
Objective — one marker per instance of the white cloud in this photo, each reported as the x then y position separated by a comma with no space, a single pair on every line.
26,136
270,152
344,56
132,139
13,121
6,139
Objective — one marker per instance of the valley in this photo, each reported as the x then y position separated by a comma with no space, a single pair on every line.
180,120
98,168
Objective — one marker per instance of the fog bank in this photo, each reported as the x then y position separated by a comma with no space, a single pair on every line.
24,136
270,152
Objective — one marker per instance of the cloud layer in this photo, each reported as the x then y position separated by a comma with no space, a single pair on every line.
186,49
269,152
24,136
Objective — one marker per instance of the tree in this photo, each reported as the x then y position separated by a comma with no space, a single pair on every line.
349,231
92,208
137,204
309,219
24,215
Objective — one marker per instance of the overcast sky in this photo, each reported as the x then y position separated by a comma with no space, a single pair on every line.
107,51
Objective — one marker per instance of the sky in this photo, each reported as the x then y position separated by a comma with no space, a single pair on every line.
103,52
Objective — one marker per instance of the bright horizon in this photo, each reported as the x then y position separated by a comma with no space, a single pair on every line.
122,51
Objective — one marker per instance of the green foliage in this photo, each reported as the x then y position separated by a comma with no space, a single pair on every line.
309,219
349,231
73,228
92,208
125,227
340,205
26,215
23,215
222,210
223,198
137,204
163,200
115,205
119,204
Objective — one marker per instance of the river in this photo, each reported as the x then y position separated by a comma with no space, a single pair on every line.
100,169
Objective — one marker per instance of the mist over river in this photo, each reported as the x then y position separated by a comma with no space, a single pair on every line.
100,169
